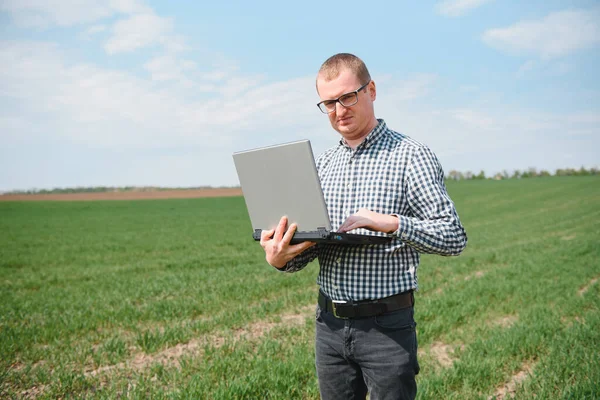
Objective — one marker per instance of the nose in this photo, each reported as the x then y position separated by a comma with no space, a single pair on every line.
339,108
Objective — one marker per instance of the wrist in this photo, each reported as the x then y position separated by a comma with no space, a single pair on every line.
394,223
276,265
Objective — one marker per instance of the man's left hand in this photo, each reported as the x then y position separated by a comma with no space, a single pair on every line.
370,220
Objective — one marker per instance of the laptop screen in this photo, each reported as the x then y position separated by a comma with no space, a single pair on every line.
282,180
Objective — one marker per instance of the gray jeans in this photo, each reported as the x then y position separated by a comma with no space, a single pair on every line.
377,355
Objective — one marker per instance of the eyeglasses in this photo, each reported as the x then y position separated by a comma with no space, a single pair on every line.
347,100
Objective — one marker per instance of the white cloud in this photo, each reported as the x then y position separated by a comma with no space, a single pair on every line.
585,118
46,13
561,68
138,31
417,86
180,122
544,69
482,133
85,108
222,68
119,129
457,8
32,64
167,67
131,122
141,27
469,88
525,68
92,31
234,86
555,35
474,119
116,109
174,43
128,6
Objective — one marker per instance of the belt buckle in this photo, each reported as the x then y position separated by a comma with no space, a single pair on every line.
334,304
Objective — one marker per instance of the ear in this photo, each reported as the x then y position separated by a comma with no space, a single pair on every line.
372,90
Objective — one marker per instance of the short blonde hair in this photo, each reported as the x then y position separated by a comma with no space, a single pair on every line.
334,65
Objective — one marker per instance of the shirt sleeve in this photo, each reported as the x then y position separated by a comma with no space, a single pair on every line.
433,225
301,260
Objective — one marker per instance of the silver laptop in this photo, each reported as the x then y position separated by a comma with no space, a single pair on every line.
282,180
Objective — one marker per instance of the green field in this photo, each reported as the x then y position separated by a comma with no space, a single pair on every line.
172,299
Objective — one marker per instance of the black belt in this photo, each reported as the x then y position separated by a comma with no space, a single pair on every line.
367,308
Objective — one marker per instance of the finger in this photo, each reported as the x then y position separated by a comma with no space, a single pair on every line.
346,228
346,224
353,223
290,233
266,234
280,230
300,247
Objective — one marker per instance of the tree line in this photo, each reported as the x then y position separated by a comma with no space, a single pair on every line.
452,175
517,174
104,189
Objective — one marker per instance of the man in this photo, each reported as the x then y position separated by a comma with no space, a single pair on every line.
380,182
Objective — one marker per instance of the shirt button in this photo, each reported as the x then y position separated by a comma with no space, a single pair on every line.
338,260
404,236
335,287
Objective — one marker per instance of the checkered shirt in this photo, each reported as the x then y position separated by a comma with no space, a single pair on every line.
388,173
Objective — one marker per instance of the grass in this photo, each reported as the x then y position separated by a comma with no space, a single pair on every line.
172,299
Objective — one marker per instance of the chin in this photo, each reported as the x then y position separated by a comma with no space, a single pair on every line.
345,127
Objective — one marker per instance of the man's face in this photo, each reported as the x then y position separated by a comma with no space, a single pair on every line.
356,121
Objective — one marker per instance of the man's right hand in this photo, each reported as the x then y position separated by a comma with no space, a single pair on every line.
276,243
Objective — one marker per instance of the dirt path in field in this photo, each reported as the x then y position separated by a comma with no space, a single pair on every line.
509,388
170,357
126,195
442,353
506,321
585,288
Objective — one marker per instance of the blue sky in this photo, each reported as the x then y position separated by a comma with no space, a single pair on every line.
128,92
